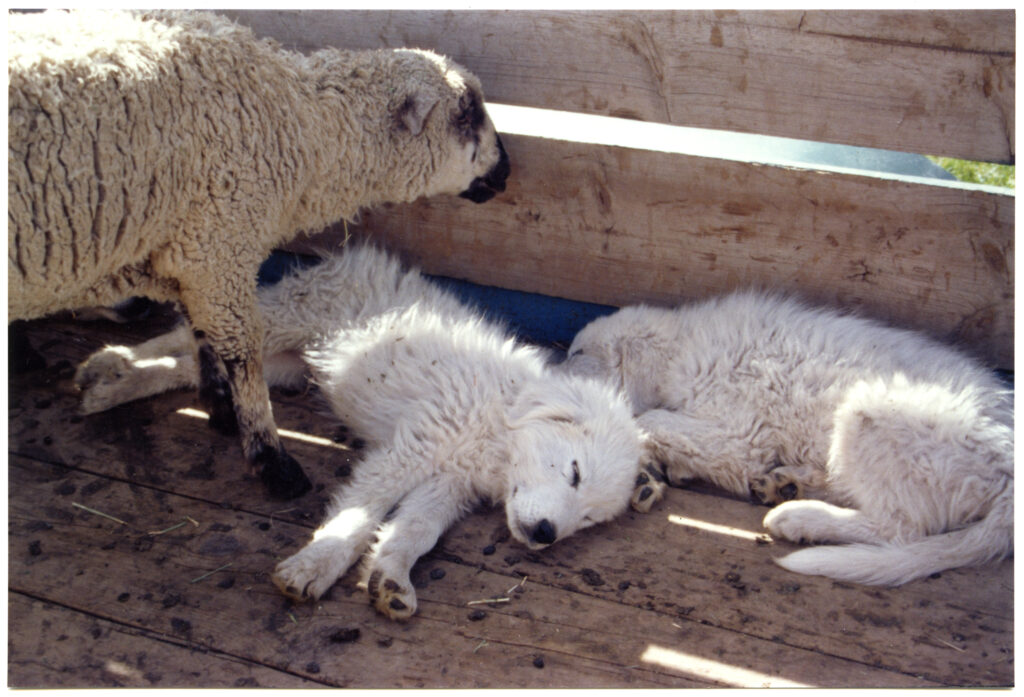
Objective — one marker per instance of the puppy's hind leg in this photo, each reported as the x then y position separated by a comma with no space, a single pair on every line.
412,531
118,374
818,521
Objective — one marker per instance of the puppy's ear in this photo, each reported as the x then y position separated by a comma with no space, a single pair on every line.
548,404
412,113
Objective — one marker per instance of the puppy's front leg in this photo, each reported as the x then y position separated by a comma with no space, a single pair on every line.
412,531
352,518
691,448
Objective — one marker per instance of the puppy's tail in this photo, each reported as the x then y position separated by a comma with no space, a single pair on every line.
988,539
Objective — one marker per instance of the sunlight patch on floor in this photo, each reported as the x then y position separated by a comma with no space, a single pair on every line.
123,670
707,669
714,527
283,432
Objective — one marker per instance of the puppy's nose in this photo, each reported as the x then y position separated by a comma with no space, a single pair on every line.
544,533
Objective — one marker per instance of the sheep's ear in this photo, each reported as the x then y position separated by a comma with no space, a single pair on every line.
413,112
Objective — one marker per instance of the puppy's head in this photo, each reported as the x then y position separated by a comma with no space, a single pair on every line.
627,349
575,456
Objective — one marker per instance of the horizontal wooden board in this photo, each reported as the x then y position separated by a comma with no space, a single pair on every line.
156,587
685,596
61,648
986,31
930,82
616,226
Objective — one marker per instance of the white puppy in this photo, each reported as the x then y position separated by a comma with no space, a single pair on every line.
906,444
453,411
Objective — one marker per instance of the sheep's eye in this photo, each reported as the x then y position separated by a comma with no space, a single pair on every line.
575,474
469,118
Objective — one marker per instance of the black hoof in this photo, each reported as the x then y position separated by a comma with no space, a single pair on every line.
223,419
21,357
281,474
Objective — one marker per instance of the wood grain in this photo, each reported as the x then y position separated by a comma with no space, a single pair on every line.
619,226
62,648
932,82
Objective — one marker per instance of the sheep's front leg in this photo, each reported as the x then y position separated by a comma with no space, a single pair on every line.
412,531
231,383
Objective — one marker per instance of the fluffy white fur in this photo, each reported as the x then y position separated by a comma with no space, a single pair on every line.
904,445
454,411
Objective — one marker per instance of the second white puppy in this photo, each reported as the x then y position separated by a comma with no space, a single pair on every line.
906,444
453,411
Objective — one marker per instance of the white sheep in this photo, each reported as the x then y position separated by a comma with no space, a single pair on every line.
166,153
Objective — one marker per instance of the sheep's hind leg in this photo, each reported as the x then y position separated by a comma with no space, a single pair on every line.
215,390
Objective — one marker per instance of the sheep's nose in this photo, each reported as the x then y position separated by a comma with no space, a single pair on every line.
544,533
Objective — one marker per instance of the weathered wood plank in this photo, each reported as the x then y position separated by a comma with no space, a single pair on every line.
156,584
988,31
54,647
620,226
703,558
927,82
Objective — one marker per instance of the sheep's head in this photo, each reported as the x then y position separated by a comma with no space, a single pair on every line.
441,105
423,116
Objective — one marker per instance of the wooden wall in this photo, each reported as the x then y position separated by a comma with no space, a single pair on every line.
616,226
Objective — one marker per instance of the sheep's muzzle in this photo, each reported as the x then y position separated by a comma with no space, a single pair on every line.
484,188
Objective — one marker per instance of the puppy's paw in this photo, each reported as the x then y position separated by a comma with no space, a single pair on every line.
650,488
307,574
775,486
796,521
395,600
104,379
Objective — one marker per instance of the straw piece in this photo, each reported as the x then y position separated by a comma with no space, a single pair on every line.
99,513
488,601
210,573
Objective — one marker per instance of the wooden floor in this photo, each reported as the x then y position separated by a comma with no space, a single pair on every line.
175,592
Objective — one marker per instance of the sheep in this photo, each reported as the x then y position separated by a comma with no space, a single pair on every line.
165,154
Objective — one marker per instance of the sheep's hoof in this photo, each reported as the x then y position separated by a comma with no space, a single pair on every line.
281,474
21,357
223,419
